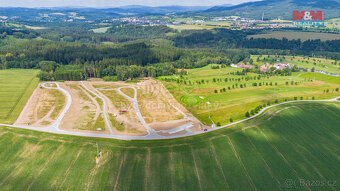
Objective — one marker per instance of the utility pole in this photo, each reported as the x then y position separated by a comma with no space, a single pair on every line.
97,149
208,103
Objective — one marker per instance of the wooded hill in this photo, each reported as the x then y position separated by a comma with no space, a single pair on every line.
274,9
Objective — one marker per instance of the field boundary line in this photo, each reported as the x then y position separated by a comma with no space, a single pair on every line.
120,170
264,160
241,163
19,98
303,156
44,166
147,168
69,167
172,168
219,164
196,169
280,154
17,166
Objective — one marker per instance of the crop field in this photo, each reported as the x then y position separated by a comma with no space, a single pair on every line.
186,27
284,149
100,30
319,64
229,96
333,23
16,86
298,35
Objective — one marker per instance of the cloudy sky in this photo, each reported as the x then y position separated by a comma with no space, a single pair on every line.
113,3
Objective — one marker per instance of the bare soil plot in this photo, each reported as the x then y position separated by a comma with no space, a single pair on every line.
159,108
42,108
122,123
129,92
85,112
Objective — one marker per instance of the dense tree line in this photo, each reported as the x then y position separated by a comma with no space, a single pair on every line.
232,39
77,53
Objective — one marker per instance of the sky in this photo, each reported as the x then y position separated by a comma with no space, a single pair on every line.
114,3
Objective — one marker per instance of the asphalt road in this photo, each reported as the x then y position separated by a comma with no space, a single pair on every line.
152,135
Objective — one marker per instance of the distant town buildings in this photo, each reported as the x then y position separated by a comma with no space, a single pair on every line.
277,66
245,66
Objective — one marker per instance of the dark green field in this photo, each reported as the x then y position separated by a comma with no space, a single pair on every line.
284,149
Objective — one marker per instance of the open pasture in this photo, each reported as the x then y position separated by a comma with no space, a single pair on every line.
16,86
275,151
230,96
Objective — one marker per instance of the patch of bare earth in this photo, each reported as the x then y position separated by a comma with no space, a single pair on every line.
84,112
42,108
126,123
160,109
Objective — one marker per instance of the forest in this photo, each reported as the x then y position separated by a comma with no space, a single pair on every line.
130,51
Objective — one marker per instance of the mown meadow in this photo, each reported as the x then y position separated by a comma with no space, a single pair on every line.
290,147
229,95
16,87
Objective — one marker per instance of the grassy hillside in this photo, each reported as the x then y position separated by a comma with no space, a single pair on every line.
16,86
240,95
277,151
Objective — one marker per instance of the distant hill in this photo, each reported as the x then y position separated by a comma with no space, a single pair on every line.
97,13
273,9
159,10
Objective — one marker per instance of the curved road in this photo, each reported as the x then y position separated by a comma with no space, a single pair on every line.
104,107
54,128
151,132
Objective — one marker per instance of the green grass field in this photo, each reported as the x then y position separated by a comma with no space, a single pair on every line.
234,103
101,30
290,35
333,23
16,86
283,149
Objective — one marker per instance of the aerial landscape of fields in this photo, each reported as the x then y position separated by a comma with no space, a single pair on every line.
265,153
180,95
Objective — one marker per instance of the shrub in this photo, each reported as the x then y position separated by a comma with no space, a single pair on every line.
110,78
247,114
